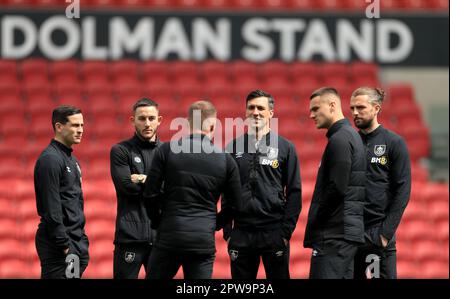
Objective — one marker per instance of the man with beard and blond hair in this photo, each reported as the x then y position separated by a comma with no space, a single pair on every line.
388,185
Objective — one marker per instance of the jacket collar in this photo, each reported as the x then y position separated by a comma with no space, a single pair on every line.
337,126
146,144
62,147
373,133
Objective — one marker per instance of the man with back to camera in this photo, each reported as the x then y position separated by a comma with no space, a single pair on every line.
195,173
335,225
61,242
130,162
271,195
388,184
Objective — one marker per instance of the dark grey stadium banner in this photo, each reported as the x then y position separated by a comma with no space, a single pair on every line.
409,40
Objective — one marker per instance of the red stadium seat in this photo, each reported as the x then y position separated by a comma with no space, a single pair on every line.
98,209
435,269
8,66
363,71
275,69
34,66
303,4
11,167
8,226
11,105
241,69
36,83
39,104
102,250
124,68
64,68
184,69
14,268
91,68
100,230
214,68
10,249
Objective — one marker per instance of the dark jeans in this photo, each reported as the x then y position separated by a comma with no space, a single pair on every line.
333,259
372,251
129,258
247,248
53,259
164,264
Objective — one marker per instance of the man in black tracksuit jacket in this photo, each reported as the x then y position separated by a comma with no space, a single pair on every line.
193,173
271,195
388,186
61,242
335,220
130,162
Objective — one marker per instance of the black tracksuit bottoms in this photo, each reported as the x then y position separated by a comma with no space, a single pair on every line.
246,248
164,264
53,259
372,257
333,259
129,258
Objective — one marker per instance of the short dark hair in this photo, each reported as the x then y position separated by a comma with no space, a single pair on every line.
144,102
261,93
323,91
61,113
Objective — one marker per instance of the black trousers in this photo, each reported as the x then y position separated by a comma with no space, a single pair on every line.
129,258
380,262
164,264
333,259
246,249
54,263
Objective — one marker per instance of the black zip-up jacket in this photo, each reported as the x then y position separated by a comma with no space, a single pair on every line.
193,181
132,156
388,184
270,182
59,198
337,206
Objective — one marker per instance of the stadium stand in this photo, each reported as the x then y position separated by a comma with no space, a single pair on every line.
31,88
106,106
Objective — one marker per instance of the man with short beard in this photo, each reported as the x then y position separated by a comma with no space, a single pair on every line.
388,184
335,226
130,162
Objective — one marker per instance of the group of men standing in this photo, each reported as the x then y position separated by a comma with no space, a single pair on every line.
167,193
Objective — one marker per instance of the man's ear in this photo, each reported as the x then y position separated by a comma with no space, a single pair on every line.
377,108
131,119
58,127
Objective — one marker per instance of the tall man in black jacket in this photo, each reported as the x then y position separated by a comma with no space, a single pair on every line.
388,186
195,173
335,224
271,195
61,242
130,162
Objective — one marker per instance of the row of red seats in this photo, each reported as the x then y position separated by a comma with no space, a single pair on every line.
180,69
240,4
